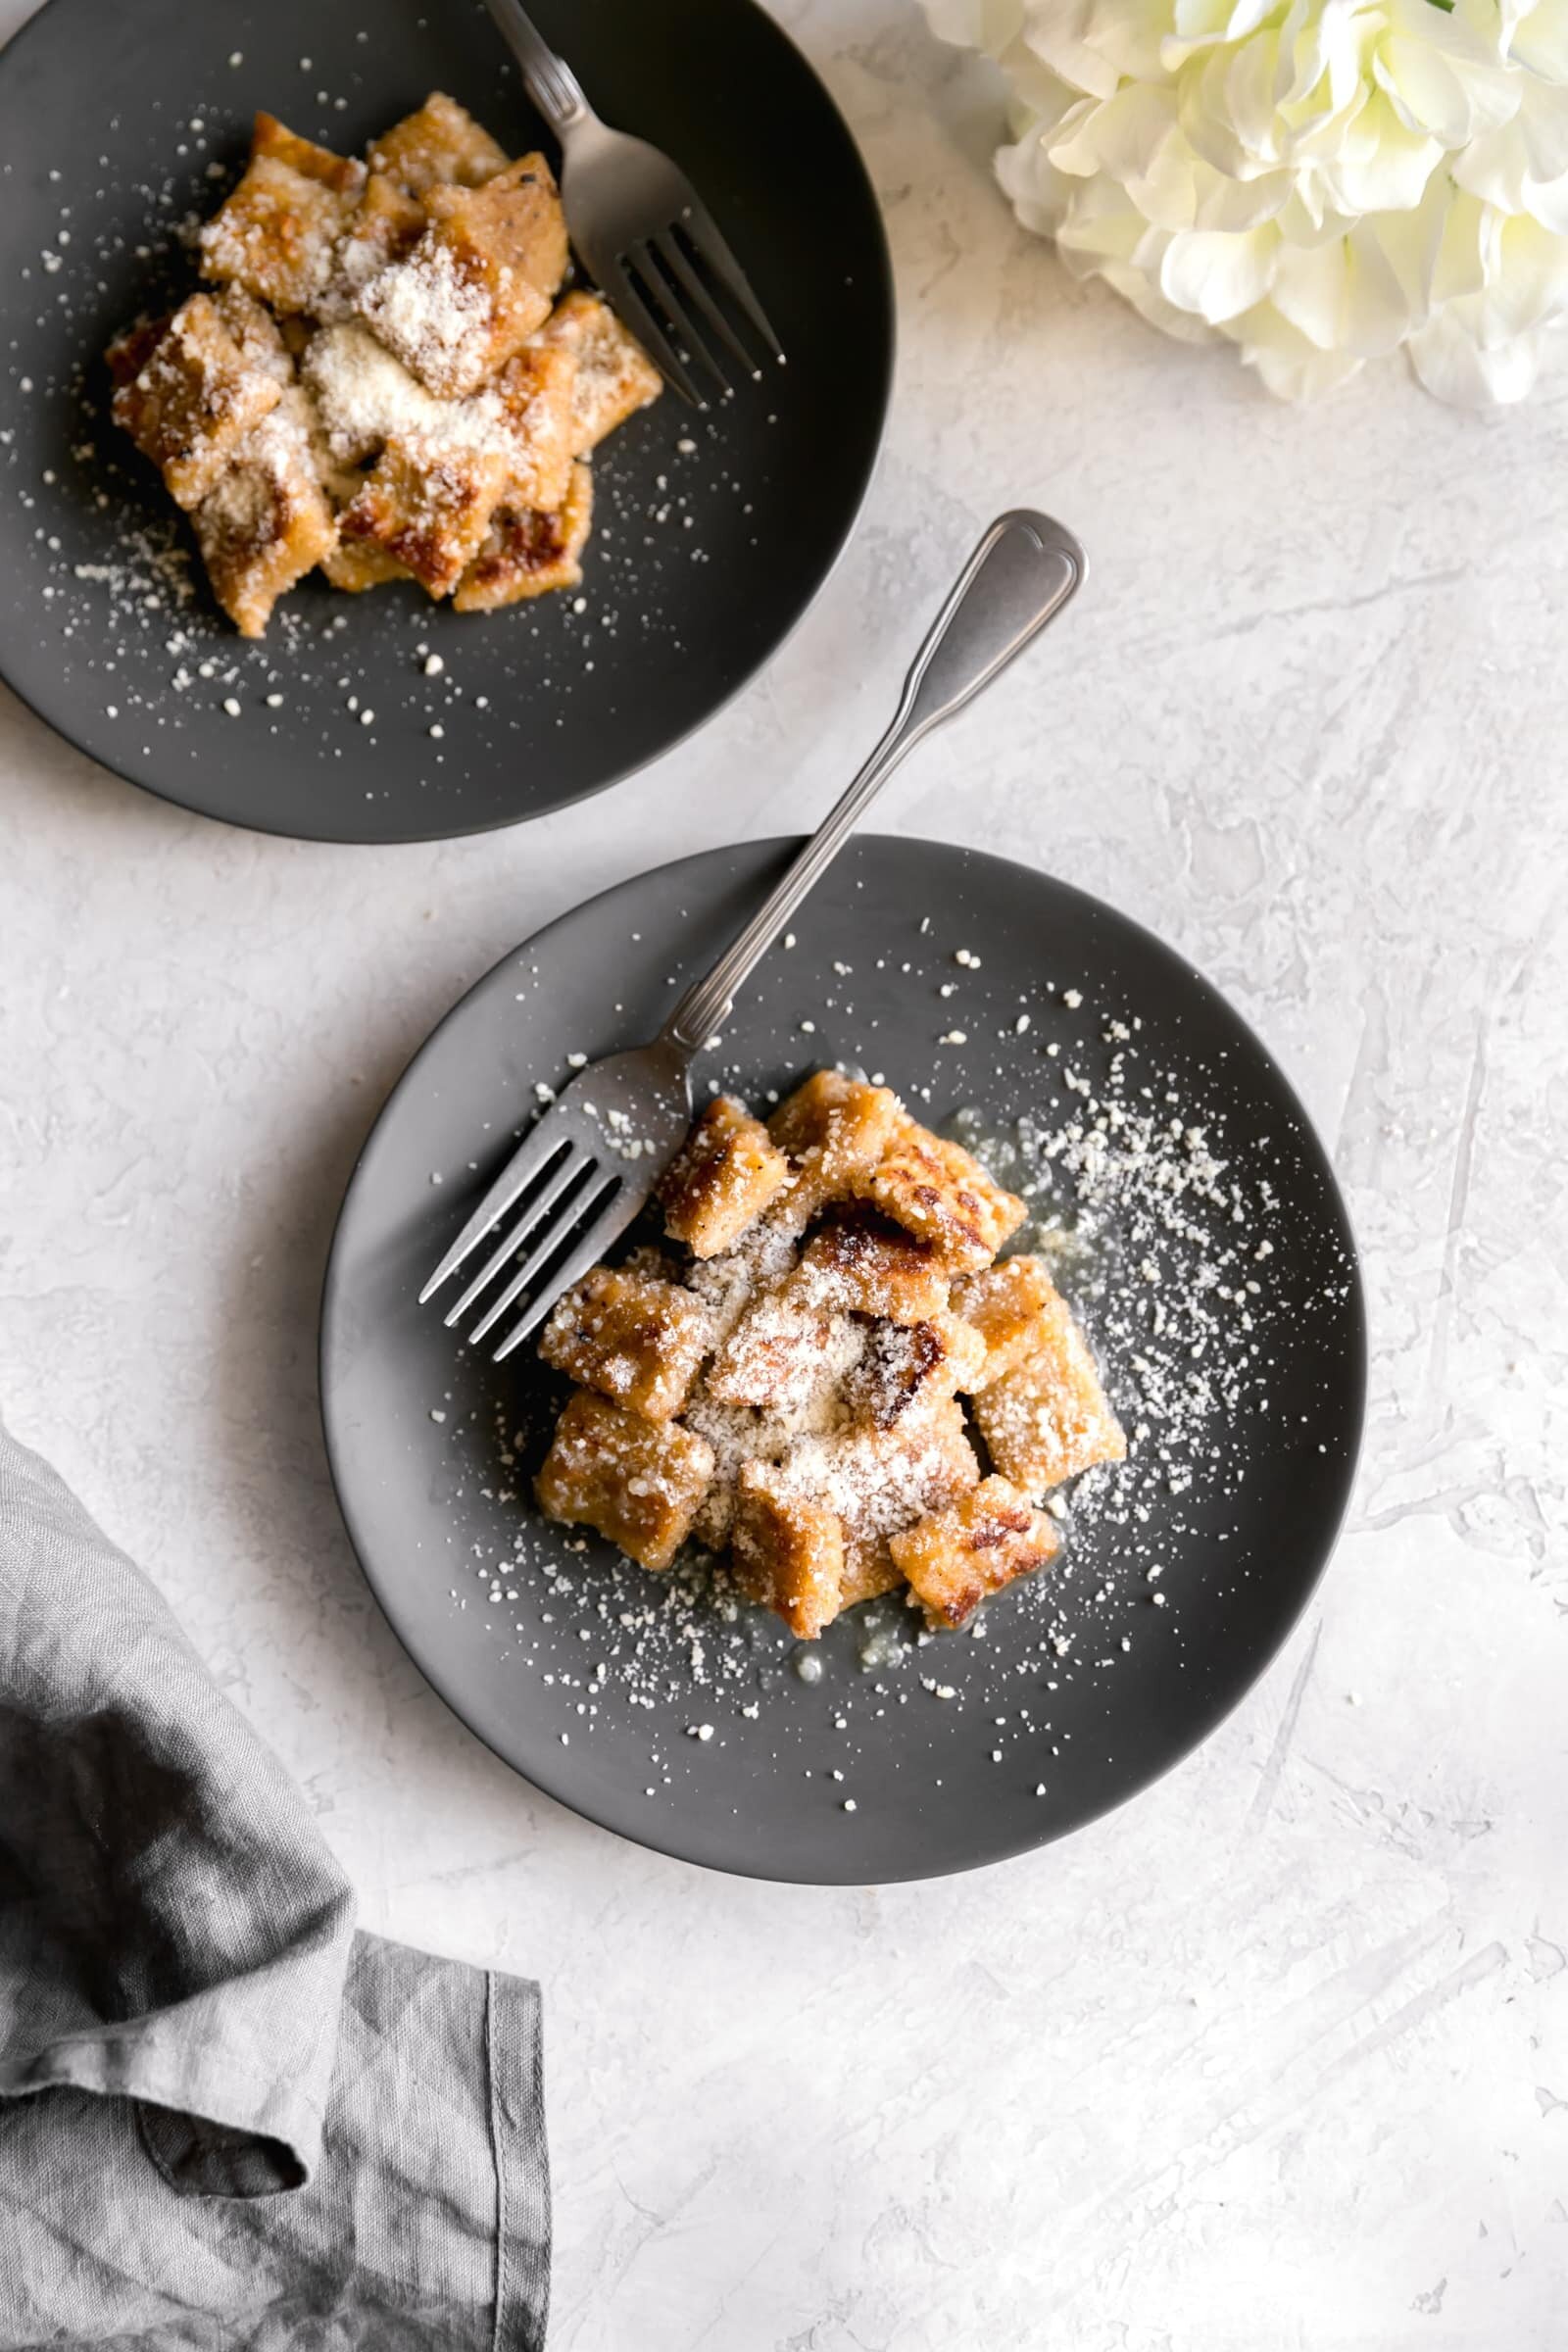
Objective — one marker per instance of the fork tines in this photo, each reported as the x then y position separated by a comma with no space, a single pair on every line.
667,289
569,1217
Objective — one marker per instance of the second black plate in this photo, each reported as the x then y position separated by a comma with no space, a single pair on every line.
1213,1264
120,126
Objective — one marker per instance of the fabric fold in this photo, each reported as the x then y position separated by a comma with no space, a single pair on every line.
172,1926
225,2117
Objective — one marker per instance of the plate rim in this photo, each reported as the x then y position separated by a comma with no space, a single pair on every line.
885,297
1355,1378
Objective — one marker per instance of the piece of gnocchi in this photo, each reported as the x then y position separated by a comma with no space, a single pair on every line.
787,1550
279,232
479,281
637,1483
527,552
834,1129
726,1174
631,1336
439,145
1049,1417
904,1365
953,1558
614,375
1002,1303
941,1193
862,1262
267,521
188,388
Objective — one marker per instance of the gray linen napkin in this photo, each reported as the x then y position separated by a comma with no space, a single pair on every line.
225,2118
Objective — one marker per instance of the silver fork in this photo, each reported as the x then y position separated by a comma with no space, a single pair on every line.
590,1161
650,243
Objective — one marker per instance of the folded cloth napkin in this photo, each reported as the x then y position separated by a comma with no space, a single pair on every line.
225,2118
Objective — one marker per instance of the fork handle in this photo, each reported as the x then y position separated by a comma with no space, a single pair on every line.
552,84
1023,571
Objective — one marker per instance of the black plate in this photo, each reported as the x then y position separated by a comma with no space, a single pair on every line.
1238,1518
713,531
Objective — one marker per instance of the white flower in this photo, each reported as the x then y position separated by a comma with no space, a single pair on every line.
1317,181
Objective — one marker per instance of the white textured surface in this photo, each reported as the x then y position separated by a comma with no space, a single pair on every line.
1278,2057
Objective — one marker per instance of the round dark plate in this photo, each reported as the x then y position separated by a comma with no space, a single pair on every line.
1081,1686
712,530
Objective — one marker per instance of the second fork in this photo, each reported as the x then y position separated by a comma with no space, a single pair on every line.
644,234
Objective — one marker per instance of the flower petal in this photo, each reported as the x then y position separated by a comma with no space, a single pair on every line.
1379,309
1304,221
1135,286
1122,135
1133,137
1540,40
1547,203
1055,35
1413,242
1292,368
1250,77
1466,250
984,25
1037,191
1499,165
1529,287
1380,167
1202,24
1216,276
1104,236
1233,204
1317,180
1036,95
1204,114
1309,290
1453,366
1431,96
1126,33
